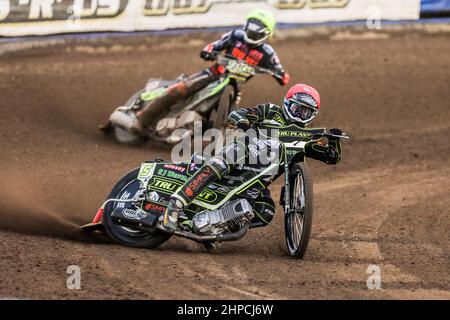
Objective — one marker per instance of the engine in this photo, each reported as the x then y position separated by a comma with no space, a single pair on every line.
186,120
227,218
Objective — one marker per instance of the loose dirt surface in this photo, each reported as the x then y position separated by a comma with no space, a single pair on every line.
386,204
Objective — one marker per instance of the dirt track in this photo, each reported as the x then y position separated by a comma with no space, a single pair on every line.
386,204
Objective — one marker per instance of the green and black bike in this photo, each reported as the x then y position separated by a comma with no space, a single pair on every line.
210,105
132,214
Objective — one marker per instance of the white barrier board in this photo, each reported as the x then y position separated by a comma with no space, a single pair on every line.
43,17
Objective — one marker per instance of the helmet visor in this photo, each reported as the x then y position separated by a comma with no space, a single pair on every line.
302,111
256,32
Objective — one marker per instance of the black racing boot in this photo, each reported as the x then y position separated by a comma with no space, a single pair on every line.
148,114
173,210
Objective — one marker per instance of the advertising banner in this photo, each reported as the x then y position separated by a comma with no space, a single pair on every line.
44,17
435,6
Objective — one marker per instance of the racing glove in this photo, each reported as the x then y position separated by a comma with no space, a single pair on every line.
207,53
283,78
208,56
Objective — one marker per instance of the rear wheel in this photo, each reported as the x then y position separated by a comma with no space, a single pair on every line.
124,136
126,188
298,222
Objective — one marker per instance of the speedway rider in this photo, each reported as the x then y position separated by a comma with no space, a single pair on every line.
247,45
301,105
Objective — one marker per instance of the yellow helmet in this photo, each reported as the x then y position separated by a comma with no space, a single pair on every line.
259,26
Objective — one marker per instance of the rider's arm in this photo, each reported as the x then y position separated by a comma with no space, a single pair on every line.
281,76
250,115
330,153
217,46
273,63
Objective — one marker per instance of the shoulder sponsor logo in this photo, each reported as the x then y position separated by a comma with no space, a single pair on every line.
279,119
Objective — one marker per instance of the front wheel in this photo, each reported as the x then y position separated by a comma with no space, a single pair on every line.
126,188
298,222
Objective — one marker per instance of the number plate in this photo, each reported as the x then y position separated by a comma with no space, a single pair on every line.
240,68
146,171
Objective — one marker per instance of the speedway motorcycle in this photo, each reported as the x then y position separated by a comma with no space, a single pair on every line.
211,105
133,212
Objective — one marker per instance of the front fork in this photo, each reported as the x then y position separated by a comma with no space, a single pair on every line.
287,189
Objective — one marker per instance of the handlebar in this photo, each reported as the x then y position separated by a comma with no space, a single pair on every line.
330,135
224,59
256,126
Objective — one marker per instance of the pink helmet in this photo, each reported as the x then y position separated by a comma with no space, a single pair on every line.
301,104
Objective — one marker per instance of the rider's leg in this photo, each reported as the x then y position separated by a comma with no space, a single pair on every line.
263,208
213,170
172,95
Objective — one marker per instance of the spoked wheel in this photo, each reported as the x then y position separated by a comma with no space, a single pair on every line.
126,188
298,222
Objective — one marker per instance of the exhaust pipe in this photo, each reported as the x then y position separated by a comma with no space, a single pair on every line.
174,139
229,236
